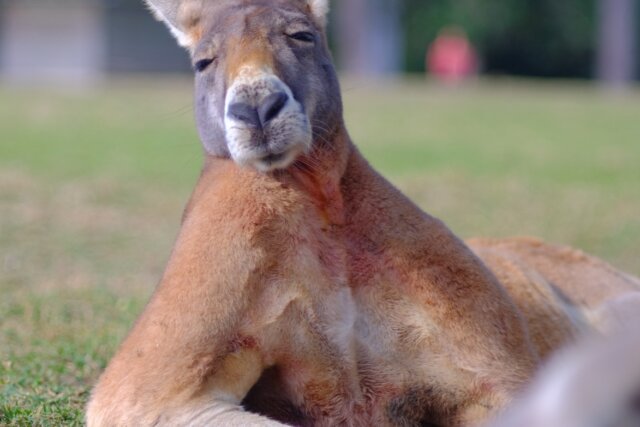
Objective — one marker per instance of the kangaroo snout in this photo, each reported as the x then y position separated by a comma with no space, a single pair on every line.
265,125
259,116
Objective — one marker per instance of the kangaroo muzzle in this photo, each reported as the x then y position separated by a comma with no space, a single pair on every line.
265,126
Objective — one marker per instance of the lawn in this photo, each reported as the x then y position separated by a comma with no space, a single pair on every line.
92,183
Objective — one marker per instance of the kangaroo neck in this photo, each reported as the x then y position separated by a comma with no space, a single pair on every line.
319,174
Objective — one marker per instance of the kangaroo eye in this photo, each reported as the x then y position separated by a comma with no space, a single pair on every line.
303,36
202,65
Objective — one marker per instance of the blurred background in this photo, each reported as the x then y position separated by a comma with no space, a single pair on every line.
85,39
502,117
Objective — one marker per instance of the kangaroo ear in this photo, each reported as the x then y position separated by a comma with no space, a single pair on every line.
320,10
181,16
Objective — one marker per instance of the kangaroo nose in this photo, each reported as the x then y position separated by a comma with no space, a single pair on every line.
271,106
259,117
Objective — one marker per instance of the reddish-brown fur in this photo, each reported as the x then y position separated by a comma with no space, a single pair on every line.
320,295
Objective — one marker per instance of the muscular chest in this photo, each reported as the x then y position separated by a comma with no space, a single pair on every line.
342,363
337,342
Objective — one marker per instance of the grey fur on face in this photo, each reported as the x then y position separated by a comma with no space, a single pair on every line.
287,58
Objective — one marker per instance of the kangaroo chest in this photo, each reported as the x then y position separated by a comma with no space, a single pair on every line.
342,359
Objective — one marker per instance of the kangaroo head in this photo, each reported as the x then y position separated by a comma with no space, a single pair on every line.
266,89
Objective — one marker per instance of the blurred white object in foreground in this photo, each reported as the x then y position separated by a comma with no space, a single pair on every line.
593,384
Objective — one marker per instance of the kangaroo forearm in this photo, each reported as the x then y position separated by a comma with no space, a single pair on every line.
158,367
189,389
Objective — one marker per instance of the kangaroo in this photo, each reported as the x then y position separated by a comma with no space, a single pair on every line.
304,289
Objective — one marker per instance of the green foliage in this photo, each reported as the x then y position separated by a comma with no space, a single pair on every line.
527,37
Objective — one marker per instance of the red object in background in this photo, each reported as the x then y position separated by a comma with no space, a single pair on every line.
451,57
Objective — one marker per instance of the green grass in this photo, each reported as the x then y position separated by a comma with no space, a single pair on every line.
92,184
